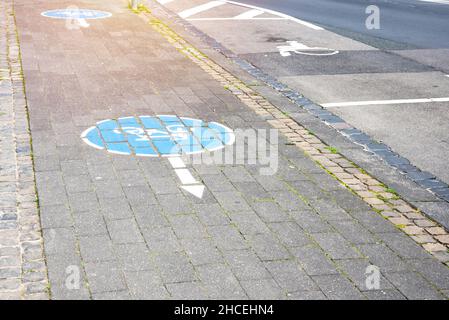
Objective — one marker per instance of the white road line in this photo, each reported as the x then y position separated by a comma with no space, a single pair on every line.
185,176
189,183
436,1
201,8
226,19
176,162
249,14
382,102
276,13
164,1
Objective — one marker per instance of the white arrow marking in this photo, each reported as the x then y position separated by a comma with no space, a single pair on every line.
197,191
300,48
189,183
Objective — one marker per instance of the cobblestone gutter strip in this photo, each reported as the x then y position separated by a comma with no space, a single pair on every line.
23,272
425,232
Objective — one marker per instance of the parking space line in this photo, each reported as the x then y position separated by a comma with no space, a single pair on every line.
436,1
383,102
164,1
249,14
201,8
276,13
224,19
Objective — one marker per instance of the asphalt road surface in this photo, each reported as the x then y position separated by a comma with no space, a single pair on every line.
403,24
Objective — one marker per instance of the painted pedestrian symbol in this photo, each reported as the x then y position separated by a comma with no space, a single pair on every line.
75,13
161,136
300,48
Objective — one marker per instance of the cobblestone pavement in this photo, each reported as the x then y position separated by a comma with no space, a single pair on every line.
119,226
22,266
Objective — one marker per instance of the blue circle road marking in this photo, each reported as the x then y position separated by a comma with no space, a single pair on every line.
76,14
155,136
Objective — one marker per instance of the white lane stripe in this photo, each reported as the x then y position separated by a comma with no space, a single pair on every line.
201,8
249,14
382,102
226,19
436,1
185,176
176,162
276,13
164,1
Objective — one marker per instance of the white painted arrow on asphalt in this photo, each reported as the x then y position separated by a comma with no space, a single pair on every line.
189,183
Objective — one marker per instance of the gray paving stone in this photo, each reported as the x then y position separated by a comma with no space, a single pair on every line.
148,217
55,217
237,174
174,204
83,201
290,234
336,287
374,222
383,257
175,267
124,231
59,240
289,201
384,295
145,285
201,251
246,265
227,237
113,295
267,247
314,261
306,295
211,214
218,182
248,223
270,183
161,239
310,221
349,201
353,231
76,184
231,201
404,245
108,189
187,291
413,286
270,211
187,226
289,275
336,246
252,191
104,276
263,289
220,283
114,209
432,270
131,178
90,223
166,185
140,195
96,248
134,257
329,210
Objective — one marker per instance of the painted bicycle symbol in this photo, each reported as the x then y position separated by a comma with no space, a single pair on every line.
177,132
